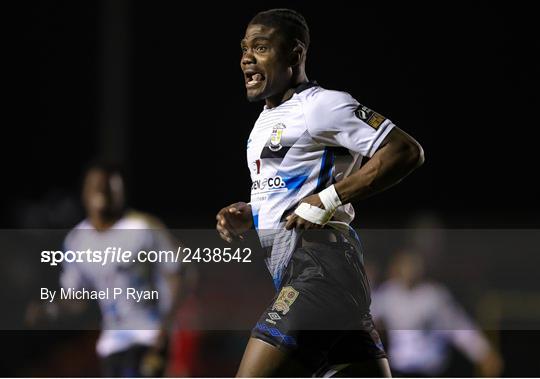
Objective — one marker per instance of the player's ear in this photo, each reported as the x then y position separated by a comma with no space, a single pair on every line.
297,53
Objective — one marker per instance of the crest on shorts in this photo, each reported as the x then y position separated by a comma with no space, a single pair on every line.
285,299
275,137
369,116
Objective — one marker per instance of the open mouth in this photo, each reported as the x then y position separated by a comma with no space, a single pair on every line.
253,78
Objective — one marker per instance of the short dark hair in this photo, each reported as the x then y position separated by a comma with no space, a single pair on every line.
291,23
110,168
107,166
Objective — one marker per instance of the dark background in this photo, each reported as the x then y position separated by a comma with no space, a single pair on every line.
157,86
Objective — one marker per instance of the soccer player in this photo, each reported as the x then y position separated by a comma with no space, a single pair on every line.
311,153
421,315
134,338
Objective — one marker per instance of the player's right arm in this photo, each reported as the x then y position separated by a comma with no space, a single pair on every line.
71,276
234,220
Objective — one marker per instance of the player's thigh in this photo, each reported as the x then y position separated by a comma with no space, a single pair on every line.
261,359
111,365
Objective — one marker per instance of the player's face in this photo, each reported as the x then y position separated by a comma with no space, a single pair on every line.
410,268
103,193
264,63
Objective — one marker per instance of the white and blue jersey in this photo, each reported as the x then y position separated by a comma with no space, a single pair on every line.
125,322
314,139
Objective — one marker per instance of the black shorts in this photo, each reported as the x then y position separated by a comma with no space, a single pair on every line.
128,363
321,312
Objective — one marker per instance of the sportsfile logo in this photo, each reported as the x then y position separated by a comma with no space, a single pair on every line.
268,184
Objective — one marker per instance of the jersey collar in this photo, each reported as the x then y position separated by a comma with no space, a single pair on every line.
304,86
299,88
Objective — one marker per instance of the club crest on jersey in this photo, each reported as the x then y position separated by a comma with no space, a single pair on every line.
285,299
275,137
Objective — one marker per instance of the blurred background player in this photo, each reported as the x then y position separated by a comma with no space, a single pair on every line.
421,320
135,335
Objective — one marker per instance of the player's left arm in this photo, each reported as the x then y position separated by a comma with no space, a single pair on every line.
154,360
170,271
467,336
397,156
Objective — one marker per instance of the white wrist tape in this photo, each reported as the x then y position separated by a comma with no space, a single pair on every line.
316,215
313,214
330,198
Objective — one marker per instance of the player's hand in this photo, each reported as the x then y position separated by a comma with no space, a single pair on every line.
491,366
35,313
152,364
296,222
233,221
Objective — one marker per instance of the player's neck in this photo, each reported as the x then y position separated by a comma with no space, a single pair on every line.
280,98
101,223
